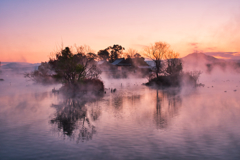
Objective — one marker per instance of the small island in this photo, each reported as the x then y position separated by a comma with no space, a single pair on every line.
168,68
77,72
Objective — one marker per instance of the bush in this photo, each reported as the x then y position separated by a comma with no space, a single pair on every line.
166,81
90,87
176,80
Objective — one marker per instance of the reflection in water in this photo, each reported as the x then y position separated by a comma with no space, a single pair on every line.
118,102
40,96
95,113
122,103
198,124
72,119
165,111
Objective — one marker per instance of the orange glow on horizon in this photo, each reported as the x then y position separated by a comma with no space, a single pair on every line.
35,55
29,35
220,57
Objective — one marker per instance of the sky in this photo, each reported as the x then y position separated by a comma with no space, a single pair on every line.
32,30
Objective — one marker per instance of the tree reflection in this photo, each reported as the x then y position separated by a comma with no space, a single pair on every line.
166,110
72,119
117,102
122,103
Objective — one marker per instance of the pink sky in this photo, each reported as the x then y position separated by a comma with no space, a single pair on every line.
31,30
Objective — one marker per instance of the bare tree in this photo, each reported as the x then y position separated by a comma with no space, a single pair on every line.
84,49
131,52
157,52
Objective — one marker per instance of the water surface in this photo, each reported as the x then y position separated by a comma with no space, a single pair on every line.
135,122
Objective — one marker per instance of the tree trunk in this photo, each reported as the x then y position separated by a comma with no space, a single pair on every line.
157,63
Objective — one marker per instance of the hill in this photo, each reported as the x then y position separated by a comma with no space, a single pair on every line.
19,66
200,58
206,63
201,61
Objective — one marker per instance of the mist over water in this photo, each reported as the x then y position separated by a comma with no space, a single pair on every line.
134,122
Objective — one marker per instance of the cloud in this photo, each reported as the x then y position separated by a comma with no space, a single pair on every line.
219,57
236,54
195,47
193,44
224,55
211,48
200,47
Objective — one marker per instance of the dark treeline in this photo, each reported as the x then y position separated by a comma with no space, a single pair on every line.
79,68
111,53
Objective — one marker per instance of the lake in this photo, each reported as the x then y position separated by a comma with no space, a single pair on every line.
135,122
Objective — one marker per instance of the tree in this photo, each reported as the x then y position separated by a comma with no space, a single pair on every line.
43,74
194,75
103,54
137,55
130,53
159,52
174,64
67,67
111,53
115,50
71,68
83,49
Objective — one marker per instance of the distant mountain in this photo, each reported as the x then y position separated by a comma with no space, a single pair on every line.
200,57
19,65
203,62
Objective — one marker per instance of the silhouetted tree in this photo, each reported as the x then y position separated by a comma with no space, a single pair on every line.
137,55
130,53
174,64
67,67
116,51
103,54
158,53
194,75
72,68
209,67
